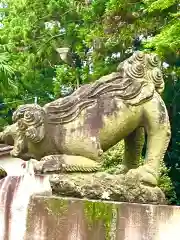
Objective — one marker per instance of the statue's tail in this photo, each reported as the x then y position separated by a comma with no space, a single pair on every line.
155,75
144,66
153,71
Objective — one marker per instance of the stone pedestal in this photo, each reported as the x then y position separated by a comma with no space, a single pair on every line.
74,219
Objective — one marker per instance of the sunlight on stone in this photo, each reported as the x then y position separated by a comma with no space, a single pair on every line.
15,194
169,229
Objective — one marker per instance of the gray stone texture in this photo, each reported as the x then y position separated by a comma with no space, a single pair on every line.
64,219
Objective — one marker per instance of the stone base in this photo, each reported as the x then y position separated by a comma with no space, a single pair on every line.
104,186
63,219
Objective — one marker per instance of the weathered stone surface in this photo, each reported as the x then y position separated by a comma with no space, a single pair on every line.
68,218
122,188
74,131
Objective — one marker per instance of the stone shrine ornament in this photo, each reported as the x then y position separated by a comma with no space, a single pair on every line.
67,137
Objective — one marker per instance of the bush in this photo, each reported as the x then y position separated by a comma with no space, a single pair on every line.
113,156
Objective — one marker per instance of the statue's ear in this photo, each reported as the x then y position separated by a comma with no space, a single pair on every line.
31,118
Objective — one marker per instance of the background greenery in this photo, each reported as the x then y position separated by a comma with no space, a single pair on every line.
100,34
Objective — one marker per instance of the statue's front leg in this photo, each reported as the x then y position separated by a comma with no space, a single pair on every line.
158,137
65,163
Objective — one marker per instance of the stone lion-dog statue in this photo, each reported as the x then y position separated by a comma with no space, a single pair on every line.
71,133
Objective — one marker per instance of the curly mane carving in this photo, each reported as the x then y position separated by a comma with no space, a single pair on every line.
134,74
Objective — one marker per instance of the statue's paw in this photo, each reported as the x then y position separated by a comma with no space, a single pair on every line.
119,169
37,166
145,174
14,153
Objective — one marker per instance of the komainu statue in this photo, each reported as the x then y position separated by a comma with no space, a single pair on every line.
71,133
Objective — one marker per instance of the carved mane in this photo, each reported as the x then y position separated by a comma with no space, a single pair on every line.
132,83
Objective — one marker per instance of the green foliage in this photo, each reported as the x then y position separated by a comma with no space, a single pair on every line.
6,74
100,34
160,4
165,183
113,156
168,39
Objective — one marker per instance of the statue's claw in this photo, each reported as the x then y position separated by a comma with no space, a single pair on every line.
145,174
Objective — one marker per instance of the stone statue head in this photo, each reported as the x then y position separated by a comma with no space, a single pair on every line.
30,119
